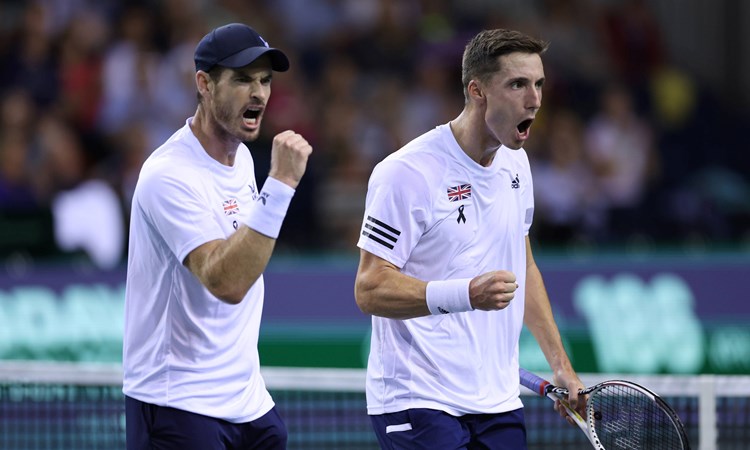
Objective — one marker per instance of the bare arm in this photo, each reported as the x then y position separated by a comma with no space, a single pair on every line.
382,290
538,318
229,267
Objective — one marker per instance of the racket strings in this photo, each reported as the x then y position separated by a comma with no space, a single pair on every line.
625,418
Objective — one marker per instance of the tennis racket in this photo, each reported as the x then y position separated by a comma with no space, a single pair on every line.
620,415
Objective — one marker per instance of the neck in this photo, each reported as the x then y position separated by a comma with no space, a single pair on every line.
215,141
471,134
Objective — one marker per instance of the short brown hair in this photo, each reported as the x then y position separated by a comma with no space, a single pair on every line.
480,59
215,74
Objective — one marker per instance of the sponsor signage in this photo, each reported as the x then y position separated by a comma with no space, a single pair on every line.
616,315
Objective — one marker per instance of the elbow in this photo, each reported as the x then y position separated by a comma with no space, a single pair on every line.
377,290
372,299
363,295
219,276
363,302
230,293
232,297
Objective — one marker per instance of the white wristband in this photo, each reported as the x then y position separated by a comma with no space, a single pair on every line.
448,296
270,208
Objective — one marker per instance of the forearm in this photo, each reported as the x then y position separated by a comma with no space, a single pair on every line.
228,268
540,321
382,290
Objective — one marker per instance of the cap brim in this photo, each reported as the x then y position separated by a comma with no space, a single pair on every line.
279,61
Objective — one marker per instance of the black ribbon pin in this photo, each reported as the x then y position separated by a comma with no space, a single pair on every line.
461,214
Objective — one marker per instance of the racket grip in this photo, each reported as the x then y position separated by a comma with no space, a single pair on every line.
534,382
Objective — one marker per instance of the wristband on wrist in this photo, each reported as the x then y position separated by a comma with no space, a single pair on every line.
448,296
270,208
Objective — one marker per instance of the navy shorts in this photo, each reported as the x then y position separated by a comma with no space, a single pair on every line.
430,429
154,427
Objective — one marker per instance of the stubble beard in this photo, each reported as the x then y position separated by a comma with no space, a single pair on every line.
229,128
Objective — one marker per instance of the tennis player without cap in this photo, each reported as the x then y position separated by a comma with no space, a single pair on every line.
201,234
447,271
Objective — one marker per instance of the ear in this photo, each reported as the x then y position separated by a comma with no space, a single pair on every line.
475,90
203,82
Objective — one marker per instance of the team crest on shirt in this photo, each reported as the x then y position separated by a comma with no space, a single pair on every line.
460,192
231,207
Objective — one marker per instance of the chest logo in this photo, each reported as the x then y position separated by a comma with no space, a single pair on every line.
460,192
231,207
515,183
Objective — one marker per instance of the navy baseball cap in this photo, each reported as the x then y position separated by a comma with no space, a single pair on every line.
236,45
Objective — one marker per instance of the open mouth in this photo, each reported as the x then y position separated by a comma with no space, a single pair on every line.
523,128
251,116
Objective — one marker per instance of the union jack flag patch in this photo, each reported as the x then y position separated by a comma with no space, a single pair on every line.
460,192
231,207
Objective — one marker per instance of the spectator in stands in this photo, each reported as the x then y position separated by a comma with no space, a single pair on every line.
111,67
619,144
567,201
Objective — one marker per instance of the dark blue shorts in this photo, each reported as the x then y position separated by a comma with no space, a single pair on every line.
431,429
157,427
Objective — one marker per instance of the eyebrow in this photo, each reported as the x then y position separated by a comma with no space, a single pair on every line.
250,68
525,80
249,73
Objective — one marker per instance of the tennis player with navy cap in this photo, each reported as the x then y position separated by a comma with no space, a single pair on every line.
201,235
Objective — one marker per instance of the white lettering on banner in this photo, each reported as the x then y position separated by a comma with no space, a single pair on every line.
642,327
729,349
83,323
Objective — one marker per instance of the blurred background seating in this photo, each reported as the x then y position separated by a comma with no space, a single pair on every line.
639,142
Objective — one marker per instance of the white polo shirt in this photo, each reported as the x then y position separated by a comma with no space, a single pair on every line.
183,347
437,214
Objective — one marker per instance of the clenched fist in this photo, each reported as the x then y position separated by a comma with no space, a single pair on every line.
493,290
289,153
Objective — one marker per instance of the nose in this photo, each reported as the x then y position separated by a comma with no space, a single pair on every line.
258,91
534,98
257,94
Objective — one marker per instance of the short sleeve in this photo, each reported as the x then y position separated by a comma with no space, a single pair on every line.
527,190
396,211
172,204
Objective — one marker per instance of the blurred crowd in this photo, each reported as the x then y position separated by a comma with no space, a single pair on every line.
629,148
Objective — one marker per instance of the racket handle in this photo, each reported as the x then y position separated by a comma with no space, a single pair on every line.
534,382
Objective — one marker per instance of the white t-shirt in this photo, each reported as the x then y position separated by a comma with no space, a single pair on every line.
183,347
437,214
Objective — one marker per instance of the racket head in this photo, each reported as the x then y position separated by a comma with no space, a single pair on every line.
623,415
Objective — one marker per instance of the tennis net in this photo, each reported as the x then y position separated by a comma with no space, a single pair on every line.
45,406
